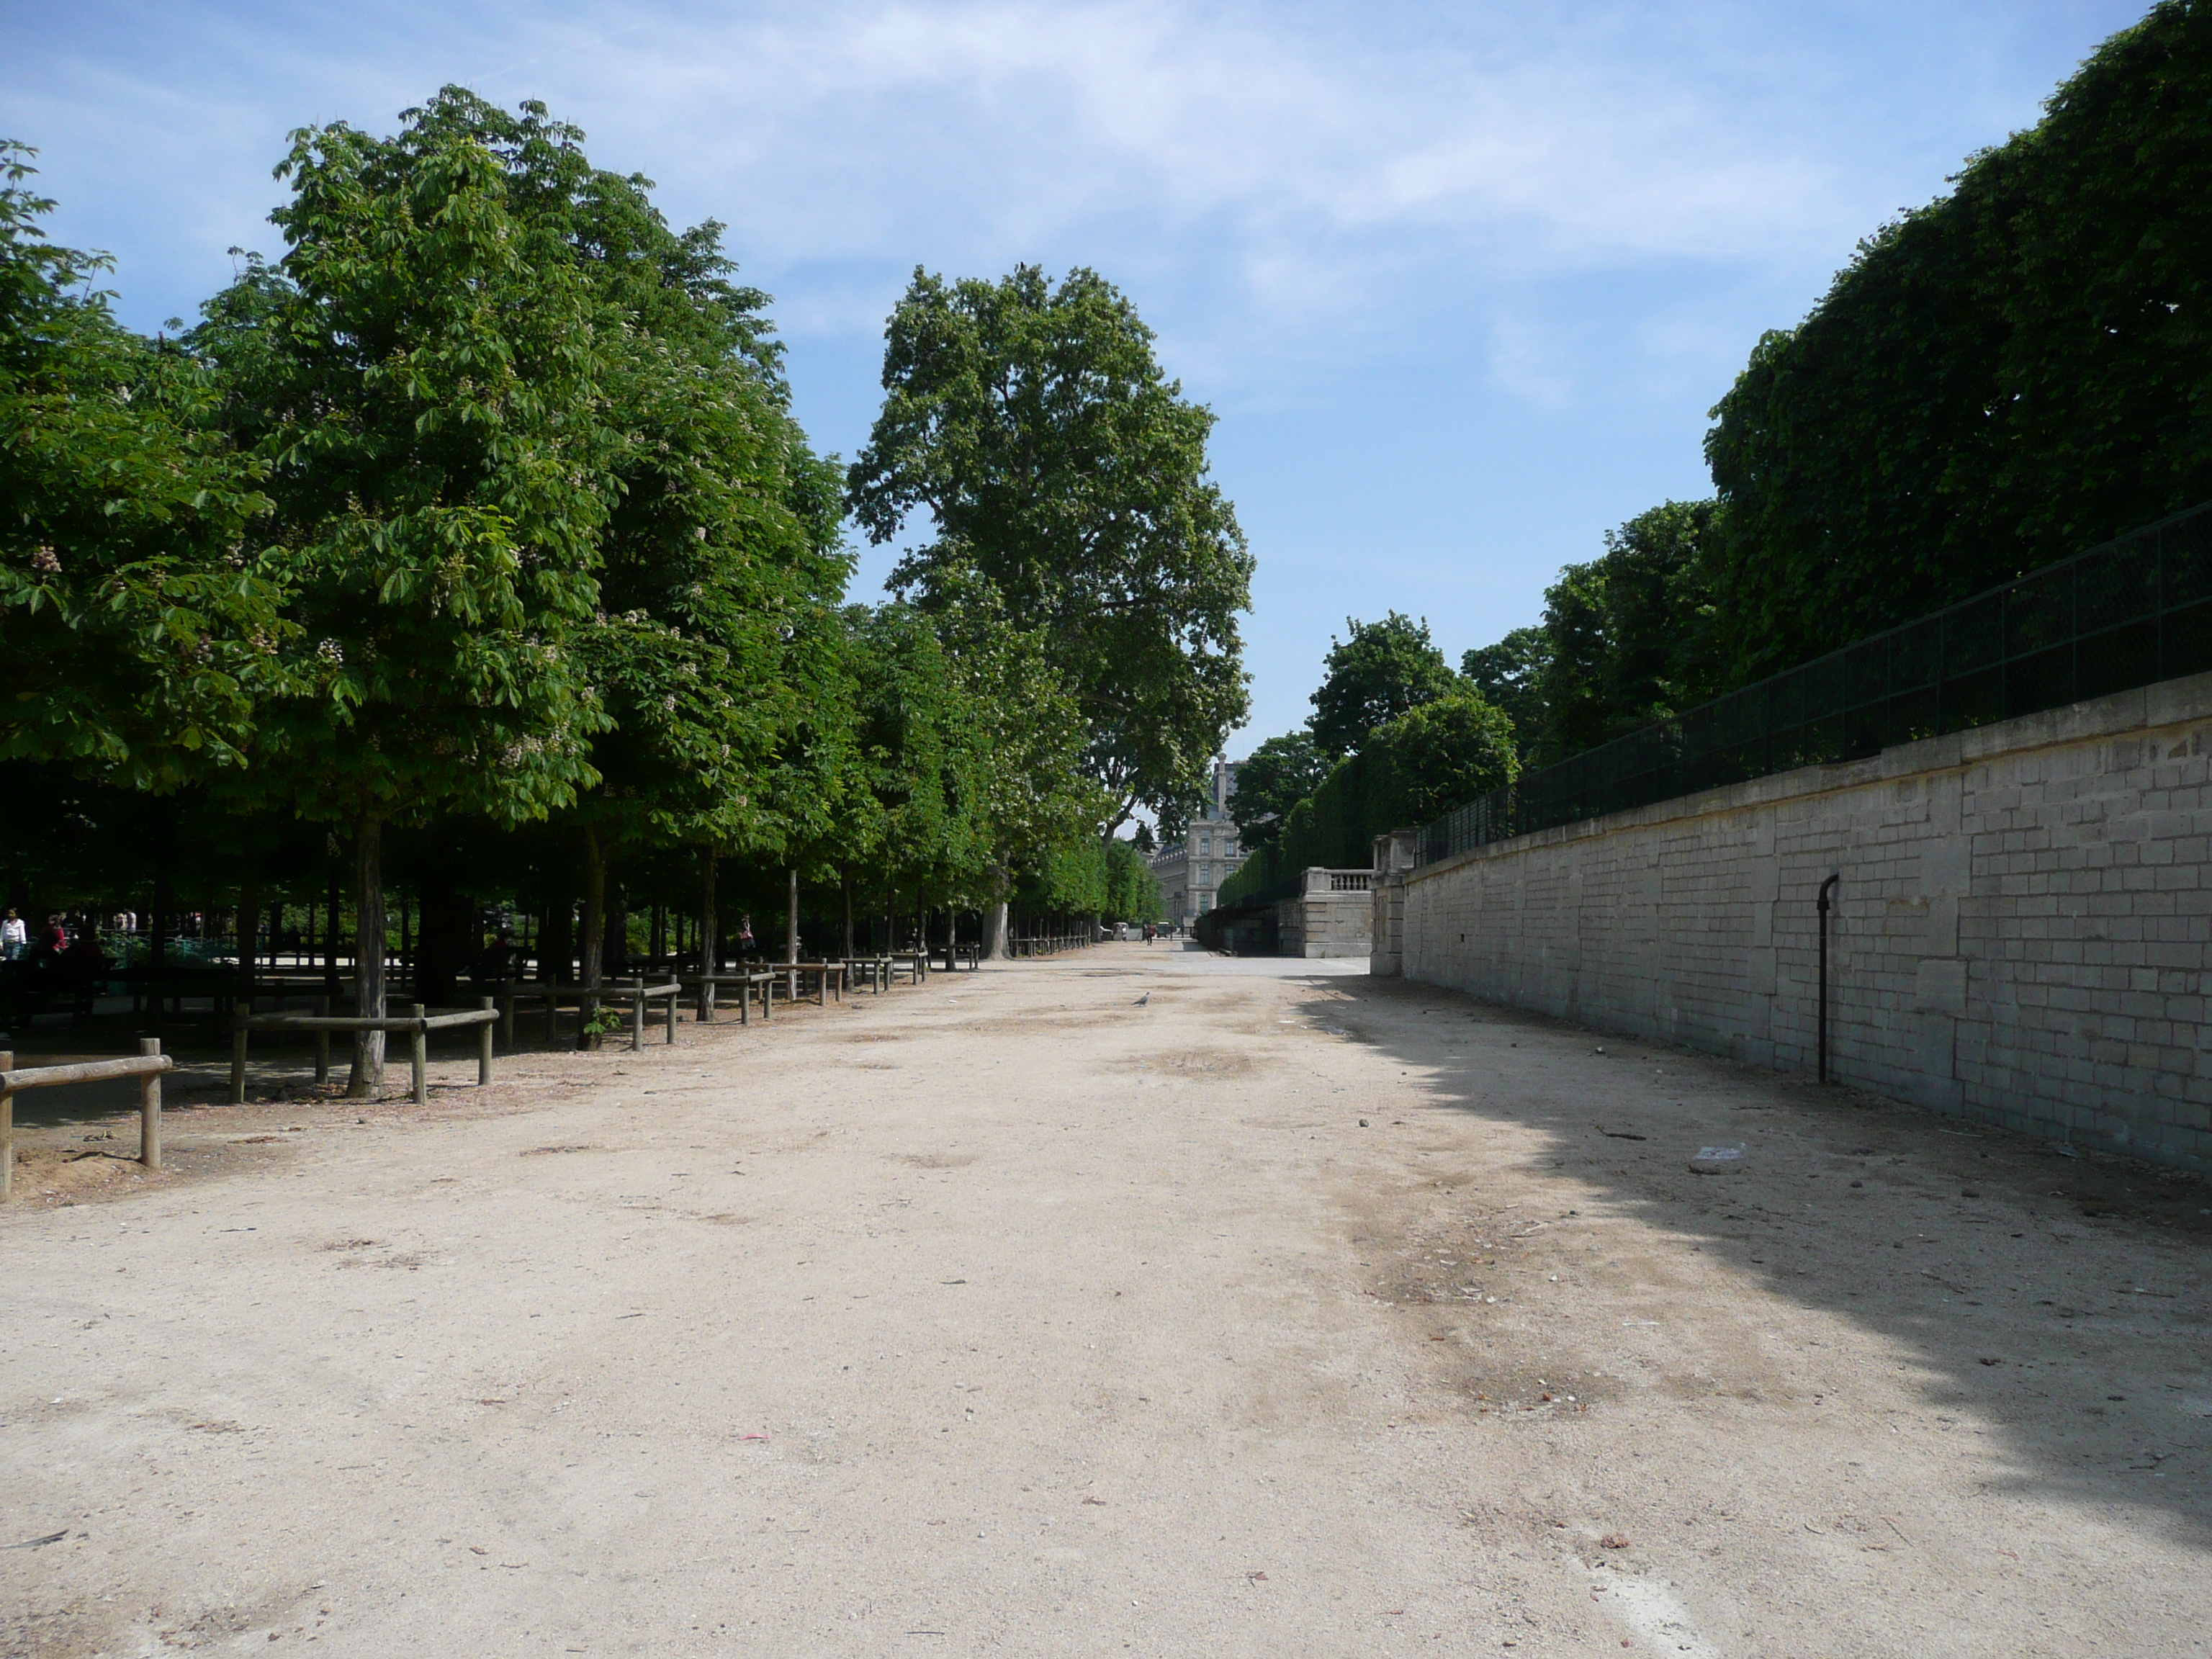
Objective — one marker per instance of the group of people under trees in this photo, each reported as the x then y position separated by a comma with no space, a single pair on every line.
54,966
482,503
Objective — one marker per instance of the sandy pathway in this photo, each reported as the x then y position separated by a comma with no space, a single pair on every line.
1007,1316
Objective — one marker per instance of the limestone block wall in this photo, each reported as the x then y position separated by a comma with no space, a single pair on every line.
2022,929
1333,915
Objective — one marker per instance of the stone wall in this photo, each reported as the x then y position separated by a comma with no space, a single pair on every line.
1331,916
2020,936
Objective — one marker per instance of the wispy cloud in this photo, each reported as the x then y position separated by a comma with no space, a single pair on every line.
1293,159
1462,277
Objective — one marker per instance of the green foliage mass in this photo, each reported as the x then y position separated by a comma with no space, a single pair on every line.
1509,676
480,514
139,634
1427,760
2014,372
1275,777
1441,753
1067,477
1627,637
2017,371
1375,674
421,373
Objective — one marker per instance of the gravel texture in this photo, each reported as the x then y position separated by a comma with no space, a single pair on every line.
1287,1313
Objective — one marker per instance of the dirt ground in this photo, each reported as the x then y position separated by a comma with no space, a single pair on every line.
1135,1302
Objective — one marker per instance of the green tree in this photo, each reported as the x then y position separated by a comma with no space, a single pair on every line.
1509,675
1026,791
2009,374
1063,471
722,529
1133,892
1278,775
1447,752
422,372
1375,674
139,629
1628,635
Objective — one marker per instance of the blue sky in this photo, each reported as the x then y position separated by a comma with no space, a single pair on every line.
1459,281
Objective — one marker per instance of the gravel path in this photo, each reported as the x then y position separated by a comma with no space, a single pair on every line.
1012,1315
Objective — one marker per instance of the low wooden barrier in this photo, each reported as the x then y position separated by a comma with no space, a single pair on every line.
704,986
147,1066
880,972
418,1023
828,975
637,994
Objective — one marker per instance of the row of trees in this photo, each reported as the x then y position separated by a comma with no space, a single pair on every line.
480,518
1394,733
2004,377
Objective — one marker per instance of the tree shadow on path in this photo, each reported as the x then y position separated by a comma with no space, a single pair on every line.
2061,1299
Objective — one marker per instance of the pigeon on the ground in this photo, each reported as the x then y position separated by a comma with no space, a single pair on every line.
1143,999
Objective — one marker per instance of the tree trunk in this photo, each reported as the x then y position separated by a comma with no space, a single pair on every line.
994,932
368,956
791,920
595,926
846,881
710,923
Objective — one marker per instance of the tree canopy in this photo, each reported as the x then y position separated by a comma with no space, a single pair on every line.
2009,374
1065,475
1508,675
1276,776
476,524
1376,673
1628,638
139,629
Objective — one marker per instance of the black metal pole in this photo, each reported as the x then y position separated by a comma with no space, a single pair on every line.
1826,887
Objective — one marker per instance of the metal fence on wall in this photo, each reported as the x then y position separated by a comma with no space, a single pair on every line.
2129,613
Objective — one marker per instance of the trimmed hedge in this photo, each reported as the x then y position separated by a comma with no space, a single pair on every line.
1430,759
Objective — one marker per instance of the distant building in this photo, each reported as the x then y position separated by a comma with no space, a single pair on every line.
1190,872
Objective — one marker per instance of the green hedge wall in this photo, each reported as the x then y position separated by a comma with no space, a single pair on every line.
1335,826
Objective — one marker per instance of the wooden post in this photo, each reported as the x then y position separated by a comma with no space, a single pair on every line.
637,1015
671,1016
419,1052
238,1035
150,1109
323,1043
484,1051
7,1130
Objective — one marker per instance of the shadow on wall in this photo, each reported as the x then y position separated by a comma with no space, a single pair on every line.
2065,1299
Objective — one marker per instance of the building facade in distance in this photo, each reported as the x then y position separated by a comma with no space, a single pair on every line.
1190,872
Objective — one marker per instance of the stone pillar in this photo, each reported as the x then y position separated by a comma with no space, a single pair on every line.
1394,854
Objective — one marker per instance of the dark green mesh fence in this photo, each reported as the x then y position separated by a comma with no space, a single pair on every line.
2132,612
